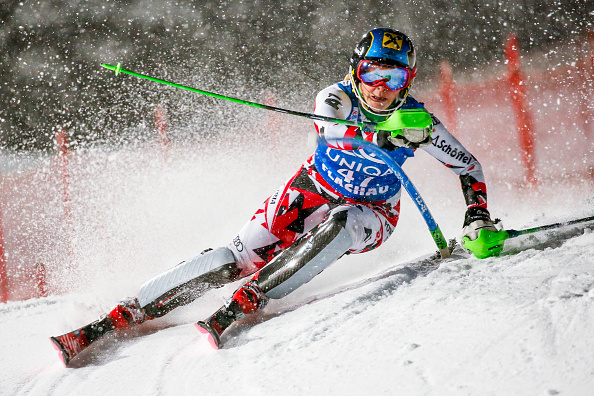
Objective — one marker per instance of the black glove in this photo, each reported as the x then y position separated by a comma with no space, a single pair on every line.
475,213
483,237
383,142
386,141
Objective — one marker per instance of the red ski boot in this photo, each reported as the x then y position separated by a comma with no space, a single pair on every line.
125,314
247,299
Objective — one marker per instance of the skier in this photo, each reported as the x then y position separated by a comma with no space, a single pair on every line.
343,200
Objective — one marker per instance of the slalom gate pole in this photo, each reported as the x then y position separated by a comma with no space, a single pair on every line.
436,234
515,233
118,69
3,266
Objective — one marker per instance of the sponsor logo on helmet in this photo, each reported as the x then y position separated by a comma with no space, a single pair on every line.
393,41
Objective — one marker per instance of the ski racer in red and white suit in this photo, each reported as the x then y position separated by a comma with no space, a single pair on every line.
343,200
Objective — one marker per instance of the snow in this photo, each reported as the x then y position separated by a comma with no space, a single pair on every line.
519,324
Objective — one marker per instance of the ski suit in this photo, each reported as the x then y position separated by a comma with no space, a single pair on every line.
339,178
342,200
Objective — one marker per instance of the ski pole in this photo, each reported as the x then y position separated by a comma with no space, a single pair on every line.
515,233
436,233
118,69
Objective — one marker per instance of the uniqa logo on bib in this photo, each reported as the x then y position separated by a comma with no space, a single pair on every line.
356,172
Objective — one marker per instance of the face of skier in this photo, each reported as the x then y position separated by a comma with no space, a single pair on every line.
380,97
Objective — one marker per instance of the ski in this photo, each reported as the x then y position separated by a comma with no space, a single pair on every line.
69,345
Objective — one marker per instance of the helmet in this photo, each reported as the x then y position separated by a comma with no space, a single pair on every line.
389,47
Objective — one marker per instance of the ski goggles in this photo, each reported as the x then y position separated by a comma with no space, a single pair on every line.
375,74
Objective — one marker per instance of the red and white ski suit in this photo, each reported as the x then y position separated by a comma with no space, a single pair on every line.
337,178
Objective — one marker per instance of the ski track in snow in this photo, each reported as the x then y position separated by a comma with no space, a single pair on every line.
520,324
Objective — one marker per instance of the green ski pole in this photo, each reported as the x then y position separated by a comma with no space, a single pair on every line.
118,69
515,233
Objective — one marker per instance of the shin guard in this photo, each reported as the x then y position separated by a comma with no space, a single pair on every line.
307,257
187,281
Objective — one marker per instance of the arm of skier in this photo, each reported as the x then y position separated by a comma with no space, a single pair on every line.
479,233
334,102
450,152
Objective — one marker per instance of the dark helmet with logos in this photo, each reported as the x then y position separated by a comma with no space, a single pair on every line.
383,56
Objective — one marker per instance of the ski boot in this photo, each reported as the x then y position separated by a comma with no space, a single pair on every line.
125,314
247,299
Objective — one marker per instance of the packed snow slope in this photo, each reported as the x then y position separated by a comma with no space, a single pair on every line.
520,324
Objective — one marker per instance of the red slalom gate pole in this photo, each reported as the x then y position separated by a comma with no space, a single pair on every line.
61,141
447,88
3,270
272,121
161,127
586,70
524,121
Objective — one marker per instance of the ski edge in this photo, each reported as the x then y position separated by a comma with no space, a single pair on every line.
207,330
62,354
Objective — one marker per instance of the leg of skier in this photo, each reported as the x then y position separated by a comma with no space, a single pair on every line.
294,209
190,279
179,286
349,228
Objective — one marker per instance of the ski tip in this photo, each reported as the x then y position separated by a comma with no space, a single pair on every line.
207,330
61,352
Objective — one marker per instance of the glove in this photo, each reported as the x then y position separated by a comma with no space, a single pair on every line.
481,235
475,213
411,128
383,141
387,141
401,141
